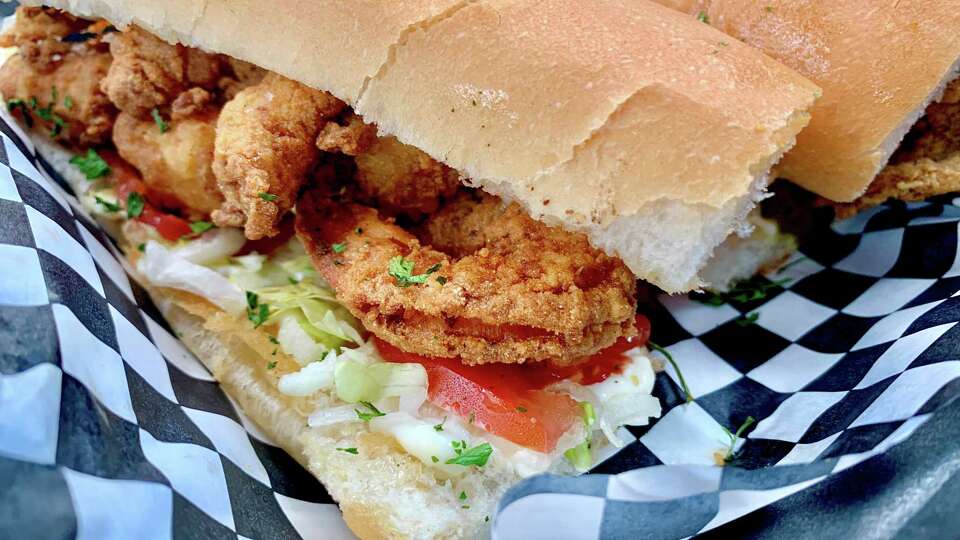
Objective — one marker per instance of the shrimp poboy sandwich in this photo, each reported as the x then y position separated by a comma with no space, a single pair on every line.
888,124
406,236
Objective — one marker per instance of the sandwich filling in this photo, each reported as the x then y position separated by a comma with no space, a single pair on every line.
398,300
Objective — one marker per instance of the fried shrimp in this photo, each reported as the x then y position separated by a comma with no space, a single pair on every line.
176,163
505,288
401,178
148,72
66,100
265,147
39,32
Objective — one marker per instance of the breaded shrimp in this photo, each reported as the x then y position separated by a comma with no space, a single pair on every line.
39,32
148,72
401,178
509,288
265,147
176,164
67,100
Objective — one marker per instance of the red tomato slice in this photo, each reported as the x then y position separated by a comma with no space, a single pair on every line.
127,180
510,400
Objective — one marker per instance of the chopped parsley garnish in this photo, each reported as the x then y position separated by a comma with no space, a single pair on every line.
367,416
338,248
676,368
91,165
463,496
162,125
435,459
135,204
478,455
521,409
141,246
257,313
274,340
486,518
107,205
746,291
439,427
402,270
748,319
269,197
703,17
271,365
441,280
15,104
353,451
731,454
46,113
68,102
200,226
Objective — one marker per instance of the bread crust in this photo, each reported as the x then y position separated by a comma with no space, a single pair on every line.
593,118
879,63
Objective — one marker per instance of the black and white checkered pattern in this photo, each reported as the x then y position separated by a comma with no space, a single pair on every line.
109,427
855,351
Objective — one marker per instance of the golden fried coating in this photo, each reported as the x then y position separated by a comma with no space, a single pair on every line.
239,76
148,72
176,164
68,100
38,33
926,164
510,290
403,179
352,138
265,147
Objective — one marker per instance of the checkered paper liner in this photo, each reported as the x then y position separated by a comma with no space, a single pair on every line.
110,428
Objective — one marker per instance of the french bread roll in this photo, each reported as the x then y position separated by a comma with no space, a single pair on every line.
648,131
880,64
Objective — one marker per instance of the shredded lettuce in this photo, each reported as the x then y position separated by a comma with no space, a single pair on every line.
357,382
580,456
311,378
165,268
315,309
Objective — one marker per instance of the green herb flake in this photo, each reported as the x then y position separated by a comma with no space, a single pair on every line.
743,292
68,102
367,416
441,280
435,459
463,496
358,230
338,248
402,270
91,165
271,365
107,205
135,205
273,340
15,104
353,451
269,197
676,368
748,319
162,125
703,17
439,427
521,409
478,455
257,313
141,247
199,227
734,436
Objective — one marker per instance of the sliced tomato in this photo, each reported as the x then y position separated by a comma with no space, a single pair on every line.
509,400
126,181
168,225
